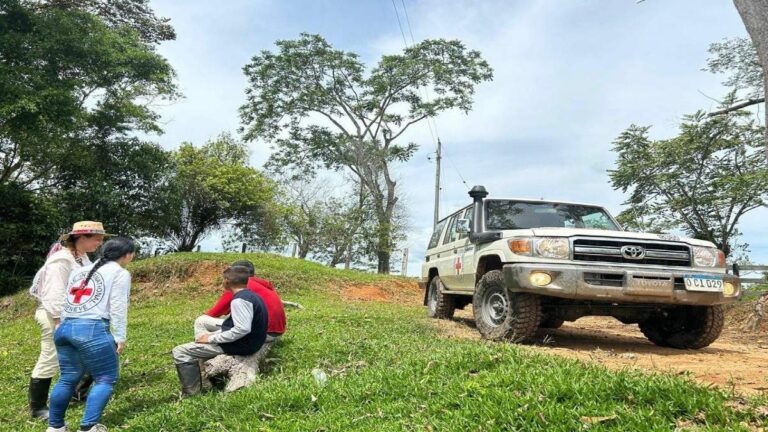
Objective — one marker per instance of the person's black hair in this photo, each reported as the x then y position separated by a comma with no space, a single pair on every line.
238,275
112,250
247,264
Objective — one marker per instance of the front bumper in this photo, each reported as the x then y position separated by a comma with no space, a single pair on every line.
616,284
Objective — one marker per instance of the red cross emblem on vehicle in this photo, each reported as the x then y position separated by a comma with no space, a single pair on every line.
80,291
458,265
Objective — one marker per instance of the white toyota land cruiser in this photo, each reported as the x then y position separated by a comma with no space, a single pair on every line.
525,264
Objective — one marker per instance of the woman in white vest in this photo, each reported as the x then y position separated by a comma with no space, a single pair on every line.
96,299
70,253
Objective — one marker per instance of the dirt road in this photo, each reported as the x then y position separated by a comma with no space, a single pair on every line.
737,360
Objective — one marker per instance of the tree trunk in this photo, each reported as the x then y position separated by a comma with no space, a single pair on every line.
383,257
754,14
303,248
336,259
384,243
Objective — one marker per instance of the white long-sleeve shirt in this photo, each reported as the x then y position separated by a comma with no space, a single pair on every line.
105,297
55,279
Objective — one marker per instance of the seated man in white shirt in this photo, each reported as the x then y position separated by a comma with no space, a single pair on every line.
243,333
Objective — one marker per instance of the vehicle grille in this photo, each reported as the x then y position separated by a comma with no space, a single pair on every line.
604,279
600,250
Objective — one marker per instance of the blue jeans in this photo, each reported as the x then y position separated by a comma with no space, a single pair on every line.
83,345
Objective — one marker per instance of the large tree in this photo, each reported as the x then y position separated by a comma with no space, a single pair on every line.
117,181
68,79
321,108
702,181
213,186
347,228
754,14
134,14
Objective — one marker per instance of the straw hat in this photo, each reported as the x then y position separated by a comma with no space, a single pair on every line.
87,228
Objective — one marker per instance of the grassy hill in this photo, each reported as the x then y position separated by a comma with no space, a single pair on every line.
388,367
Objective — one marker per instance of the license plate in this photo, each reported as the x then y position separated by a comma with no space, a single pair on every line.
650,286
703,283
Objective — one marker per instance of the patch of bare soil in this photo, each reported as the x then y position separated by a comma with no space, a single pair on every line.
208,273
204,277
738,360
393,291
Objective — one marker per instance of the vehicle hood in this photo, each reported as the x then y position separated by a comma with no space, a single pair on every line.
578,232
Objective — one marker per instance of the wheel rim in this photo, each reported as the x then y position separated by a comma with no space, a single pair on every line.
495,307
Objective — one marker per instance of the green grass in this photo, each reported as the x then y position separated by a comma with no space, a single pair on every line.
388,369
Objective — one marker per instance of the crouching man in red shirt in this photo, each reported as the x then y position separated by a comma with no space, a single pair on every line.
211,321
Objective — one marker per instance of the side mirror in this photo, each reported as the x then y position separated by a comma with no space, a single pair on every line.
462,226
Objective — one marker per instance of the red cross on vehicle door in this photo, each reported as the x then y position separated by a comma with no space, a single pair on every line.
458,265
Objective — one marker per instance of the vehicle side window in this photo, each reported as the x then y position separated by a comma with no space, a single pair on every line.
435,239
467,215
450,235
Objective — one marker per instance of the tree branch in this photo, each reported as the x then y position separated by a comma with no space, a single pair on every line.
736,107
407,125
338,125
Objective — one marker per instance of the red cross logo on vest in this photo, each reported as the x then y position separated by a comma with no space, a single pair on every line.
458,265
80,291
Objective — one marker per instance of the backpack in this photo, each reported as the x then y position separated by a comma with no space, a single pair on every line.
37,282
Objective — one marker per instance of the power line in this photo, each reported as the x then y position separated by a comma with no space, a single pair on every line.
408,21
399,24
431,122
457,170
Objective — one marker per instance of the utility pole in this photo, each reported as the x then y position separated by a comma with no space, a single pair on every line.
437,181
405,262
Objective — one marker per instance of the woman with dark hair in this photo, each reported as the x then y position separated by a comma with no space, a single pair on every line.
68,254
96,298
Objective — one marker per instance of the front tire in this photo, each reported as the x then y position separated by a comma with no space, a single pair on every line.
439,304
685,327
504,315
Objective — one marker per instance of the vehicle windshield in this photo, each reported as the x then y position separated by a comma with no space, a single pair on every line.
509,215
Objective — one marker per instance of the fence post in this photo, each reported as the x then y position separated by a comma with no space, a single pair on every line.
244,246
198,248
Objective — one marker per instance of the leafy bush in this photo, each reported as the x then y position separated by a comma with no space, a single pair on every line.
28,224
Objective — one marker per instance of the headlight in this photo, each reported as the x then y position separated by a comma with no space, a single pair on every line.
708,257
552,247
545,247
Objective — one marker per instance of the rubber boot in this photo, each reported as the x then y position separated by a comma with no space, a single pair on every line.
82,389
191,380
38,397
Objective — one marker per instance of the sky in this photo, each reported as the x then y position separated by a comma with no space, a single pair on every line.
569,77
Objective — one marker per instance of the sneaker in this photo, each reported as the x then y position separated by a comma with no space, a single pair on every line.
53,429
97,428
